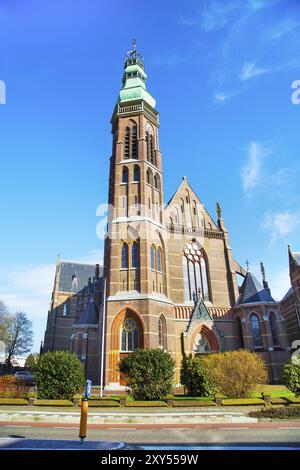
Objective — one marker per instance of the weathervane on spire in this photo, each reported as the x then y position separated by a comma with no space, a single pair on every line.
247,264
133,53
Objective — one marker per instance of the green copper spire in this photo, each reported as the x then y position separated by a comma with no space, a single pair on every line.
134,79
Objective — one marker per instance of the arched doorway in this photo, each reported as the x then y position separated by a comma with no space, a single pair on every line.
127,334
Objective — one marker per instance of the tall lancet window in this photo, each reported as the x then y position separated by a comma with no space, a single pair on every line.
274,330
195,273
256,332
124,263
127,143
134,143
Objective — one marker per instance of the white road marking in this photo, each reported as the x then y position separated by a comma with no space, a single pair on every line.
289,427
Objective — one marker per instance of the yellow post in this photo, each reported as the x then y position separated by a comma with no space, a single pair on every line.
83,419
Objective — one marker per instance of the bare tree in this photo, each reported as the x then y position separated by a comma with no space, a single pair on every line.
5,318
18,336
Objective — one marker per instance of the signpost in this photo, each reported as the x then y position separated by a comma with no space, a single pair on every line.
84,410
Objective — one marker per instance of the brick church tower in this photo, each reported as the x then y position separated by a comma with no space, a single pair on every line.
135,256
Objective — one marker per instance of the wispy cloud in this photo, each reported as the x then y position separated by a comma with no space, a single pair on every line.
185,21
250,70
287,26
280,224
251,172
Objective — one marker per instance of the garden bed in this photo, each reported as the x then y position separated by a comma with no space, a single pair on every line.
277,413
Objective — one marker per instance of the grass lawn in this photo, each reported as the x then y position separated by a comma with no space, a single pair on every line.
273,390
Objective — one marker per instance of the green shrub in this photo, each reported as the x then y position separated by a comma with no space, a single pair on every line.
149,373
59,375
236,373
291,376
194,377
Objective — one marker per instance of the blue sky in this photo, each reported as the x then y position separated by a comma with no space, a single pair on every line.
222,74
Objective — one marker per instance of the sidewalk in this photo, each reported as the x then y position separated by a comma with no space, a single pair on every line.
126,416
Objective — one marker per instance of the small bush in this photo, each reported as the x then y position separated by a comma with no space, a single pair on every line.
291,376
195,378
10,387
236,373
149,373
59,375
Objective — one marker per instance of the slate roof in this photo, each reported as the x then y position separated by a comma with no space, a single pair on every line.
200,312
288,294
90,315
252,291
74,276
296,257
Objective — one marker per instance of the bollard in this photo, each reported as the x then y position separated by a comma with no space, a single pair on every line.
83,419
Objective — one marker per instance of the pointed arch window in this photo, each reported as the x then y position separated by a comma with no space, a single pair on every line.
152,257
134,143
125,256
159,260
135,255
136,174
129,335
156,181
125,175
127,143
274,329
195,273
162,332
256,332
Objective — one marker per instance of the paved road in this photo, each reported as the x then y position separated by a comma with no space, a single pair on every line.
280,433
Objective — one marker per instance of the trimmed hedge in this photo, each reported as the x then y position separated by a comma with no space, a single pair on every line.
103,403
13,401
279,401
242,401
52,402
193,403
146,403
294,400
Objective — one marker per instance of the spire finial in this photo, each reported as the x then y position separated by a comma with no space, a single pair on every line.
134,45
219,211
247,264
263,272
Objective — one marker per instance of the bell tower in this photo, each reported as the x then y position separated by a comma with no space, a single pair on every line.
135,257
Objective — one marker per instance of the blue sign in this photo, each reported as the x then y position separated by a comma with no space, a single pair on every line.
88,388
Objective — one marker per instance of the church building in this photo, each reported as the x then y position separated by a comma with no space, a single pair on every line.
169,278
